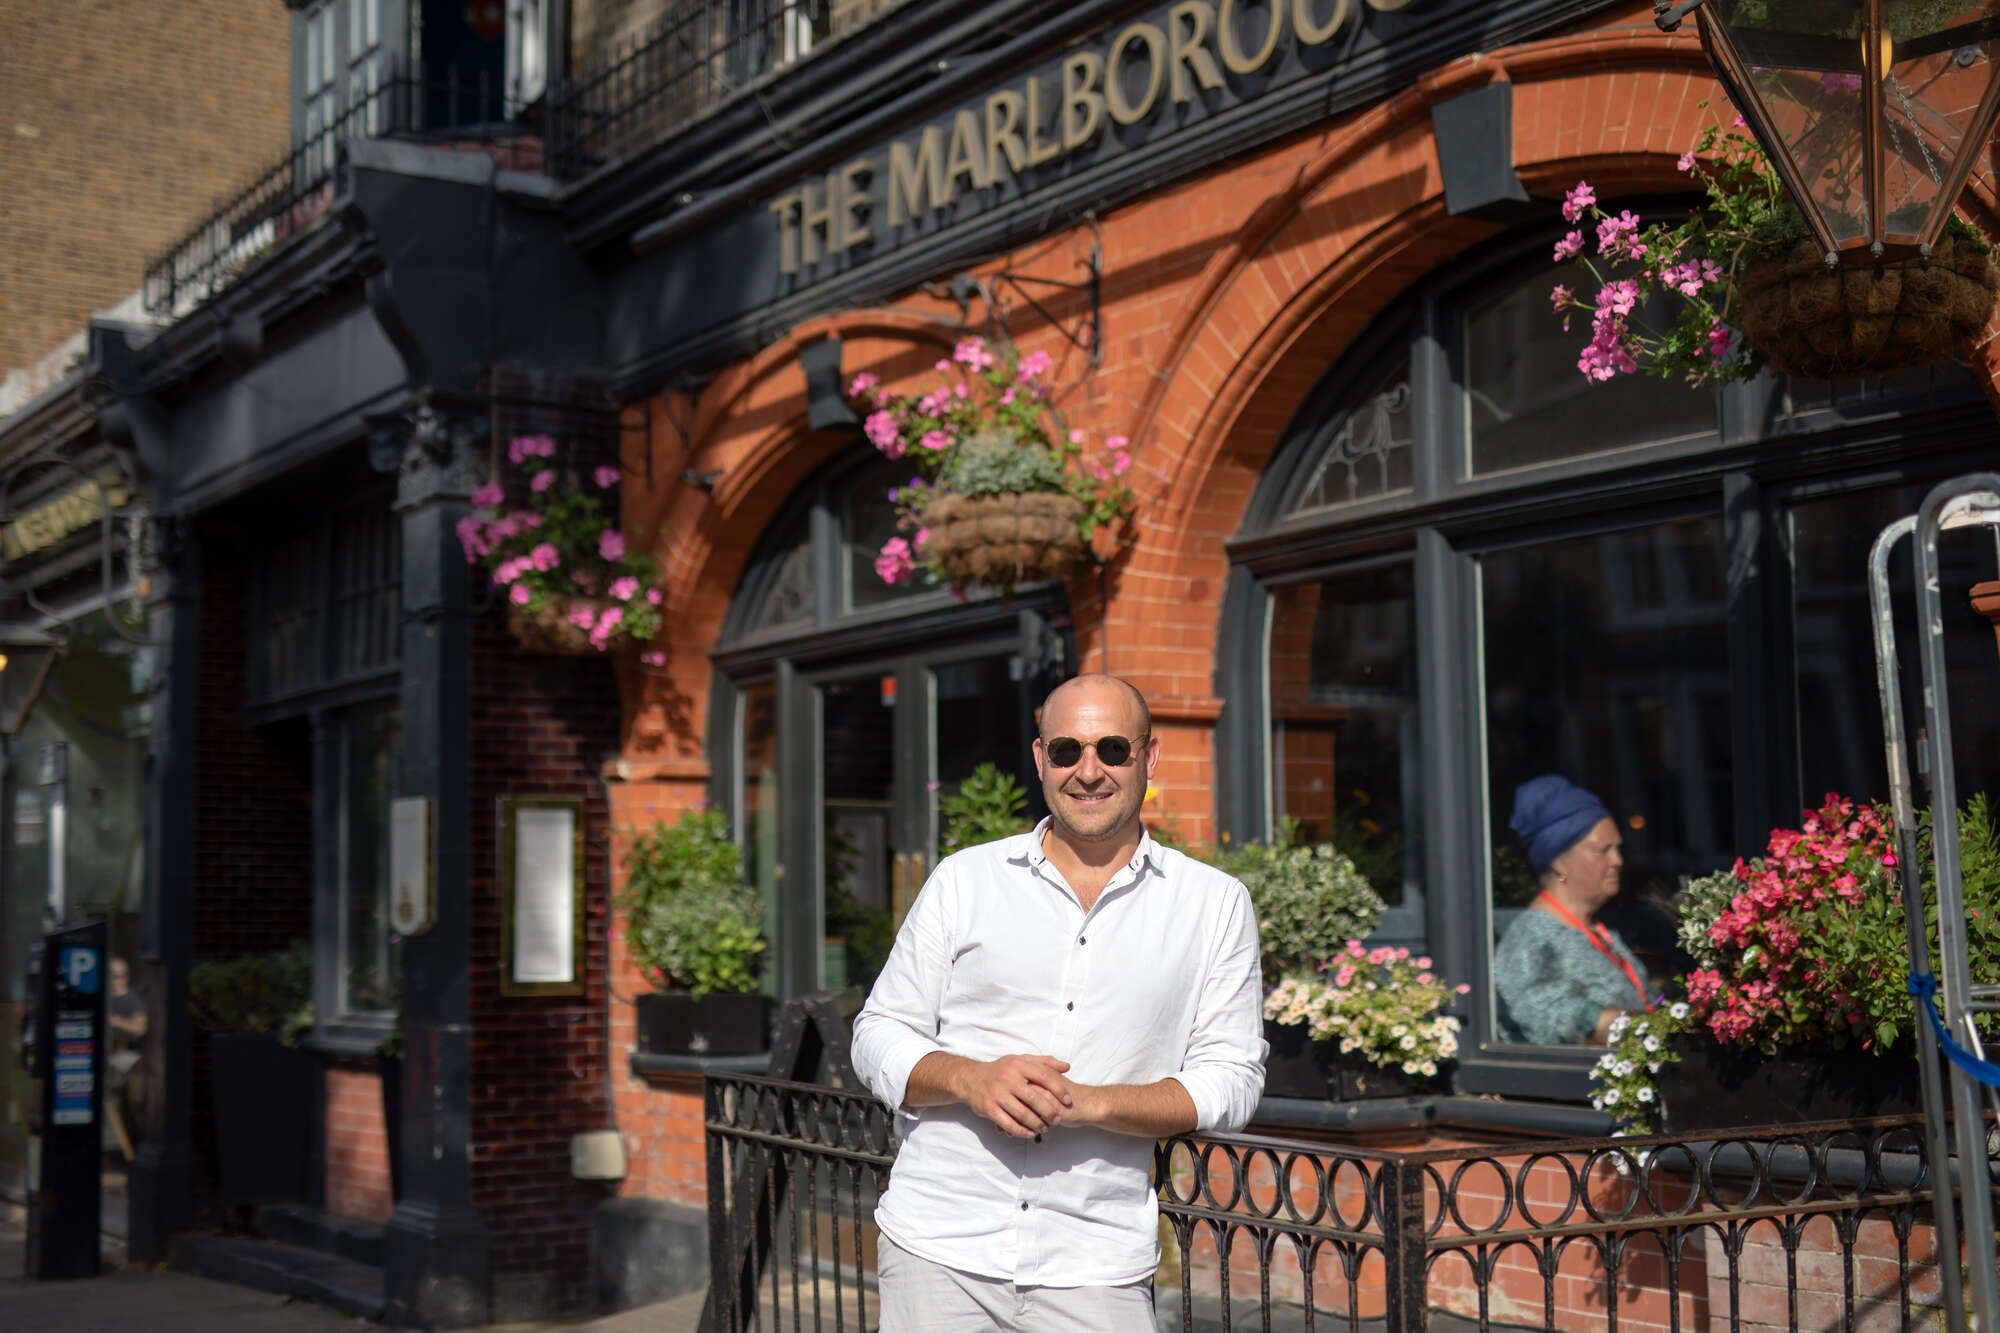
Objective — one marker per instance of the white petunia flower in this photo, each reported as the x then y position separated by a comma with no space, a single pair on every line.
1645,1094
1678,1009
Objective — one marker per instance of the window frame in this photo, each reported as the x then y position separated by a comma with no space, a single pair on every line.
334,732
1449,519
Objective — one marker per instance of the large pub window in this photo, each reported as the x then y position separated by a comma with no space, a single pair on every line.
1466,566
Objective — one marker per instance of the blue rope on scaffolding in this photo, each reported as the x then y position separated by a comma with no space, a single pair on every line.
1924,986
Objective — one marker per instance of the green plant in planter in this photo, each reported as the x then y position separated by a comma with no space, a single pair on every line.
691,921
988,805
269,993
1310,900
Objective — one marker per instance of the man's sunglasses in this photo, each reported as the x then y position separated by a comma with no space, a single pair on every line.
1112,751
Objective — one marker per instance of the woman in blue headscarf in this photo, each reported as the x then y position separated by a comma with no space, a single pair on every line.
1562,978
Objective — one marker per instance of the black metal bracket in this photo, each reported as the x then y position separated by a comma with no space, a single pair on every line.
1086,337
1667,14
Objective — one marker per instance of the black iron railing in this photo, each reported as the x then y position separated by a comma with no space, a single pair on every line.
1802,1227
294,193
678,68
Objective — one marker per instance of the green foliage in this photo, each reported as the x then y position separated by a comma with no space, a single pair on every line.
993,463
692,922
269,993
987,806
1701,903
1310,900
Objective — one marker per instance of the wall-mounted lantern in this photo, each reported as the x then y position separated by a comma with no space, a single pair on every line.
1873,112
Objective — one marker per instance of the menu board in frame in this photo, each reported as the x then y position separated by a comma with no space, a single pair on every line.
542,884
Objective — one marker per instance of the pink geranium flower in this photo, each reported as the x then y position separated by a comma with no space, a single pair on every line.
519,594
605,477
611,545
489,496
1577,199
624,589
542,481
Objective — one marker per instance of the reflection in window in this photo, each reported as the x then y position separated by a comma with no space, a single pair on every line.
1368,453
1344,747
758,832
1606,661
979,720
370,973
787,597
1526,402
858,777
868,519
1839,708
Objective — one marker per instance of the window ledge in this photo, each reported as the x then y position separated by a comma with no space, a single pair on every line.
347,1043
660,1069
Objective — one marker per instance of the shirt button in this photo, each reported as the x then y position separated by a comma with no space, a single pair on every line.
1070,1005
1038,1139
1024,1207
1081,940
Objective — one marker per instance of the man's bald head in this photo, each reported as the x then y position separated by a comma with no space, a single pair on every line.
1096,681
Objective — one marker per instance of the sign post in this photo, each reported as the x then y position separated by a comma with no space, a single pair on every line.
65,1189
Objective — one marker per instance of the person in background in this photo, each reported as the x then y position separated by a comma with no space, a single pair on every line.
125,1014
1561,976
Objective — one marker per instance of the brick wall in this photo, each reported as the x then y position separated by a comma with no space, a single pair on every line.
121,122
541,727
253,785
357,1145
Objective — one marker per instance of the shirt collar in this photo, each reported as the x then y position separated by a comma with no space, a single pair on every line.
1146,854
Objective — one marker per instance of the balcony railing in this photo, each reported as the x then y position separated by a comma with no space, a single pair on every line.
294,192
1805,1226
679,68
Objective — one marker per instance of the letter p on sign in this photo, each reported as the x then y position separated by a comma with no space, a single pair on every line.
80,970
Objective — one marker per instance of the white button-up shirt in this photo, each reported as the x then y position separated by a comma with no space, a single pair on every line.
1159,979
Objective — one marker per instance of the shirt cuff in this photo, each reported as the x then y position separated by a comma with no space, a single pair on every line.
1208,1090
896,1066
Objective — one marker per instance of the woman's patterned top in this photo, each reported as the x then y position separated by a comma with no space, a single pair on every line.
1553,983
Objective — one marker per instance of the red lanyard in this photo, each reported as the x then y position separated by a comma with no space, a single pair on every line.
1600,940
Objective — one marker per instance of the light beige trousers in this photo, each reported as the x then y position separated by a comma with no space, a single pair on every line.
919,1296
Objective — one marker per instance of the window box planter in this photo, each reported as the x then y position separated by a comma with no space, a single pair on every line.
263,1110
1717,1087
1315,1071
725,1023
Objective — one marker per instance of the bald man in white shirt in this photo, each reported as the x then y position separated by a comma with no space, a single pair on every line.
1055,1003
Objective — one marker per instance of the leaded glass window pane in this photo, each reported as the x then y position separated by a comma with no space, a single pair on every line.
1367,453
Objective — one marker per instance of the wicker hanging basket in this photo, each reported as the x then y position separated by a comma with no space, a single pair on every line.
997,541
1824,323
549,630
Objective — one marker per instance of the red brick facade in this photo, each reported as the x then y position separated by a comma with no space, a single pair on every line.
1226,299
358,1182
541,727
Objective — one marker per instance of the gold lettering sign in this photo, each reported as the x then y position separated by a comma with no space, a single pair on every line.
1124,78
69,512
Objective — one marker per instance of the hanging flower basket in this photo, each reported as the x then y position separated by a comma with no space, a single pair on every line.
1740,283
1004,493
550,627
997,541
1824,323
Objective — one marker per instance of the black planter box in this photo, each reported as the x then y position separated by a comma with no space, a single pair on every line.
1733,1087
263,1114
1298,1066
725,1023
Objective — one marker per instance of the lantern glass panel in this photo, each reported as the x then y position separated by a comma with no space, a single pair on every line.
1940,66
1803,61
